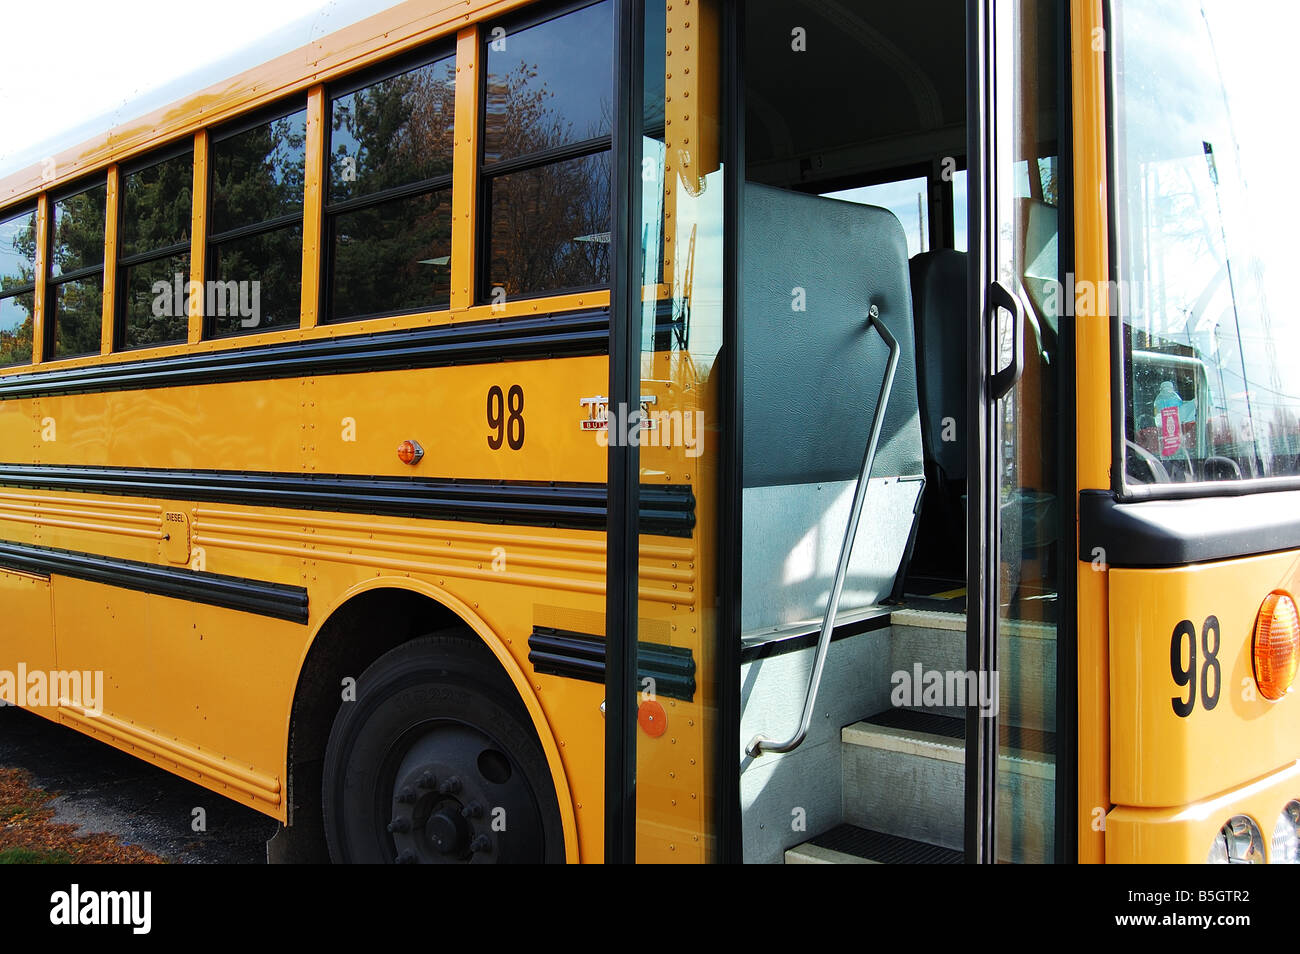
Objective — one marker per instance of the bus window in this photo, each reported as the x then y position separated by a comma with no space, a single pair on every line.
959,198
76,274
1209,394
154,247
255,230
908,199
389,203
17,287
548,216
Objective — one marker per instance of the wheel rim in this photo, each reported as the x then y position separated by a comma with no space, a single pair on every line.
458,798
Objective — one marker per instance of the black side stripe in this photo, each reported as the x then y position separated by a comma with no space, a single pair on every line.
278,600
560,652
666,509
567,335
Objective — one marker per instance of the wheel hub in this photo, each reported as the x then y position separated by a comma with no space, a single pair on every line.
447,831
454,795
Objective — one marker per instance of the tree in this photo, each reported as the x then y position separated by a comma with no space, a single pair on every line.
549,224
394,254
258,176
17,307
156,204
75,308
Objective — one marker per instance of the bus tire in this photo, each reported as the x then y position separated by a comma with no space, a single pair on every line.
436,761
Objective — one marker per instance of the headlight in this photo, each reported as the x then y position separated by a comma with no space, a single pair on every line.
1285,849
1238,843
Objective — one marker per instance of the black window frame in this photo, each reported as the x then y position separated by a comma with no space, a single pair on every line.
122,263
21,210
530,17
425,56
53,282
280,109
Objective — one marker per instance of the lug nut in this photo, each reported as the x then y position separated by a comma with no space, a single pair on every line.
407,795
406,858
472,810
428,780
450,787
481,843
399,826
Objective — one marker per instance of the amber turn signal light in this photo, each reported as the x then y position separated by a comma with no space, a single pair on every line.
409,452
1276,648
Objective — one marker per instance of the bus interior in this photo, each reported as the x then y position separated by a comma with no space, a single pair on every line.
855,209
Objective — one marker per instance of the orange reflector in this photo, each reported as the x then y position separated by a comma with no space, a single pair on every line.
651,717
409,452
1276,649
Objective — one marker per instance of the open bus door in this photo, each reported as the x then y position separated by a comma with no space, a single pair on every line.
840,274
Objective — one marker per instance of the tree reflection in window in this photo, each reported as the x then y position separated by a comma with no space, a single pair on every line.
546,159
388,215
256,225
17,287
154,250
74,294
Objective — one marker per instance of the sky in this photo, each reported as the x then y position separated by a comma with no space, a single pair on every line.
1253,202
99,64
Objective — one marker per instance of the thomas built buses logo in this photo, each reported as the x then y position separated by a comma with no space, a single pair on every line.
643,426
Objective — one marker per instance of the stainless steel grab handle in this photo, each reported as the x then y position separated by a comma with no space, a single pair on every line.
761,743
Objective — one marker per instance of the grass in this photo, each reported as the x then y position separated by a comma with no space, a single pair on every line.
30,836
30,856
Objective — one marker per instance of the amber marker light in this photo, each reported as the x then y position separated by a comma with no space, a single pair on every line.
409,452
1275,649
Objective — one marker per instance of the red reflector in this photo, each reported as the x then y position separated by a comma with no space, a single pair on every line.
651,717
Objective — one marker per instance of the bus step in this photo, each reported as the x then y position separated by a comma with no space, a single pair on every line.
904,774
850,845
936,640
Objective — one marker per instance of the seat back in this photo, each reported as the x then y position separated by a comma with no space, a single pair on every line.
939,302
812,369
939,305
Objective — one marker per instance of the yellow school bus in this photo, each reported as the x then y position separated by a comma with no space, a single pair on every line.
781,431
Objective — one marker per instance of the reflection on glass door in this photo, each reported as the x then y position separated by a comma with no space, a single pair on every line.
1028,481
677,429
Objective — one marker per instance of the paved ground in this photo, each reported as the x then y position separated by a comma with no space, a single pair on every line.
104,790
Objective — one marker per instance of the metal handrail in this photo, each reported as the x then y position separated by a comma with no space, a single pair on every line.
761,743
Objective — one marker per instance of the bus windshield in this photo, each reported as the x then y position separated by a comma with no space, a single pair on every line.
1206,233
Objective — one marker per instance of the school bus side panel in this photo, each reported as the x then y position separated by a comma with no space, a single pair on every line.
1187,730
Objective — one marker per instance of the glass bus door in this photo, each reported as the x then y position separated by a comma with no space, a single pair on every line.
810,242
1021,435
663,422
